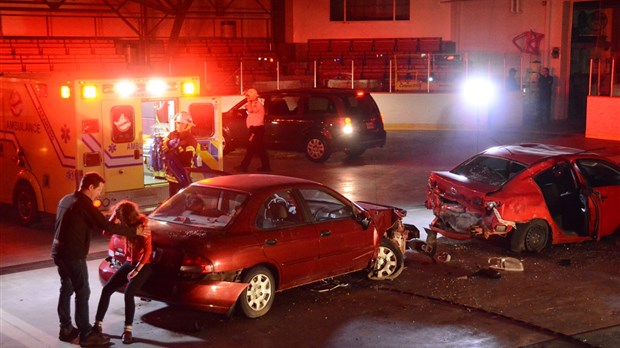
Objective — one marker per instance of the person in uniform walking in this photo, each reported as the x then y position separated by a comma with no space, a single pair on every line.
255,122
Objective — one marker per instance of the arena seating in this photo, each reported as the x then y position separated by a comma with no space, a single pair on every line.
220,58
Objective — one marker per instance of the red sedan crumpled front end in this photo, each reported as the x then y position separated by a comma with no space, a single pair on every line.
389,223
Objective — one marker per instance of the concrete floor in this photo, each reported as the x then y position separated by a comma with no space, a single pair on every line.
566,297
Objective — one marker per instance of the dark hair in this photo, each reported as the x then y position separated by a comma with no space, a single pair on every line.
128,213
91,178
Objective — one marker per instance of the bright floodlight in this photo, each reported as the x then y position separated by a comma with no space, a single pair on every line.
478,91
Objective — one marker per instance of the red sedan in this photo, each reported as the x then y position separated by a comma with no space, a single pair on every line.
534,194
241,238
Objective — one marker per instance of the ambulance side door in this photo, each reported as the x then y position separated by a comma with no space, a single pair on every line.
9,162
122,144
206,113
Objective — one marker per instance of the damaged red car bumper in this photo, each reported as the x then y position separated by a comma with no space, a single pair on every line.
211,295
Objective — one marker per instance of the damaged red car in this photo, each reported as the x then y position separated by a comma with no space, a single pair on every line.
534,194
236,240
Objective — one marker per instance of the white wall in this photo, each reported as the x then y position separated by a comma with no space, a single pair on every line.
436,111
448,111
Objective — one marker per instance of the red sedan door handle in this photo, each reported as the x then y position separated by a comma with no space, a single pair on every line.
326,233
271,242
601,197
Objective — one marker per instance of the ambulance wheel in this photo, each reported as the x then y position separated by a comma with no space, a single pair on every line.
26,204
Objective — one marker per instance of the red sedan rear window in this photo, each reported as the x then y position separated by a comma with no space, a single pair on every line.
493,171
204,207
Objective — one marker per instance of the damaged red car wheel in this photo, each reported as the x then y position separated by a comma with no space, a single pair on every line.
536,236
389,263
256,300
532,236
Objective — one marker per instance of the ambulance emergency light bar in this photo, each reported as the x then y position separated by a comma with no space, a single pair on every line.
129,88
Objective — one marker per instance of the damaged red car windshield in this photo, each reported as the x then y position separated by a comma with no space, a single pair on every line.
489,170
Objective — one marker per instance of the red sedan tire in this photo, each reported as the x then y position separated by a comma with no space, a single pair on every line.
389,263
532,236
256,300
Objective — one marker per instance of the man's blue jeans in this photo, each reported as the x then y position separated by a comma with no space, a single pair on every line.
74,278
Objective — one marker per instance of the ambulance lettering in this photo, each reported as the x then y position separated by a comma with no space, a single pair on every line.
134,146
27,127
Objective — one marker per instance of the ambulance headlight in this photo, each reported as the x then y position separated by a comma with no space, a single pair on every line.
156,88
89,92
65,92
126,88
189,88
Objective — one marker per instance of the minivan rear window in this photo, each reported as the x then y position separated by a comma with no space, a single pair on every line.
360,106
318,104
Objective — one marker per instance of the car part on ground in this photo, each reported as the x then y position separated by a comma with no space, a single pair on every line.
510,264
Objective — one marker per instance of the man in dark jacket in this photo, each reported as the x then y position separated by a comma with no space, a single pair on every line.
76,218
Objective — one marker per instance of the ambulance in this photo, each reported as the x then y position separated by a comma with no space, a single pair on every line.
54,128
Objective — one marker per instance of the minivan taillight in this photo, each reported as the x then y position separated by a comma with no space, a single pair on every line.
196,264
344,123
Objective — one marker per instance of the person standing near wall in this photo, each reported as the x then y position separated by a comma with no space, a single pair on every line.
255,122
512,84
544,83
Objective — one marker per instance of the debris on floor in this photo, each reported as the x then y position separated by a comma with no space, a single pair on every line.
486,272
506,264
329,285
443,257
483,272
424,248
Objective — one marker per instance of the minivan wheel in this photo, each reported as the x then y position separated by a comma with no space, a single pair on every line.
317,149
227,146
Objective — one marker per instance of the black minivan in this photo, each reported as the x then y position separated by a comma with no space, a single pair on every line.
315,121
